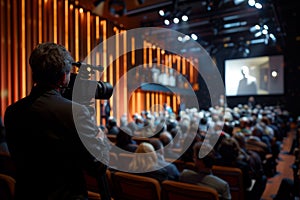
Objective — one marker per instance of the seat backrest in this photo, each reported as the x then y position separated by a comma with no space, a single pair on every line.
112,138
140,140
113,159
173,190
7,187
178,163
128,186
124,159
92,185
234,177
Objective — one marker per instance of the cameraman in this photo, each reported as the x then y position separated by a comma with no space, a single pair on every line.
42,138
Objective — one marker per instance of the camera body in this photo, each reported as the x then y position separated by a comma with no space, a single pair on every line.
86,87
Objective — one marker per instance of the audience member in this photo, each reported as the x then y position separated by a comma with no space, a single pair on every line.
230,152
112,126
203,174
167,140
145,163
173,173
124,140
256,167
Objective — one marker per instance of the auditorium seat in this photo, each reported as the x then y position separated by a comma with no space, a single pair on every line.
124,160
234,177
173,190
112,138
128,186
7,187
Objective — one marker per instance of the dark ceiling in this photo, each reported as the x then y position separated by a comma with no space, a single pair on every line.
217,23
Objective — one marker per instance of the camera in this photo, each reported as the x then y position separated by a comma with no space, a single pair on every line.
103,90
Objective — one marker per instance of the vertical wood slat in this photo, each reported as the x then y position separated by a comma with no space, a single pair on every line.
9,51
15,50
3,91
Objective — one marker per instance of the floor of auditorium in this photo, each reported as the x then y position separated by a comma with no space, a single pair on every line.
283,168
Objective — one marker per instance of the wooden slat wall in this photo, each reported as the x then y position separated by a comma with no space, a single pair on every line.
26,23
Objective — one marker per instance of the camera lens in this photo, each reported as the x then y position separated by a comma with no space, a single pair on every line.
104,90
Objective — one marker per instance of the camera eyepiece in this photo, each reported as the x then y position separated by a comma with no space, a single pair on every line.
104,90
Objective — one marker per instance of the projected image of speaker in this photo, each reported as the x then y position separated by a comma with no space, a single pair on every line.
254,76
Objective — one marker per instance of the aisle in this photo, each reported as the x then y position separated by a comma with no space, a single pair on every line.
283,168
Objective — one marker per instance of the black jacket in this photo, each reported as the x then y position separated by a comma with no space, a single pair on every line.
44,135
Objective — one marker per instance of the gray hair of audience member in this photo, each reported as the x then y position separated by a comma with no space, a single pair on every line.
166,138
145,158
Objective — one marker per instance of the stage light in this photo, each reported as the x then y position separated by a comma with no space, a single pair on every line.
167,22
272,36
274,74
161,13
255,28
265,31
258,5
194,36
259,33
185,18
176,20
251,2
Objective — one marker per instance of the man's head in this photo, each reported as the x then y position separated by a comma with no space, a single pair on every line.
245,71
51,64
202,148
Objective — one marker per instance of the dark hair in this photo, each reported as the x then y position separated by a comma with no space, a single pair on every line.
207,151
229,149
48,62
123,137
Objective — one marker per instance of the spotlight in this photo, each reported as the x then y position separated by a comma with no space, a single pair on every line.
255,28
184,18
259,33
265,31
258,5
194,36
272,36
176,20
251,2
161,13
274,74
167,22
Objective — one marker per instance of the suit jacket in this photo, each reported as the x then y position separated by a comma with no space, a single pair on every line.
202,178
46,145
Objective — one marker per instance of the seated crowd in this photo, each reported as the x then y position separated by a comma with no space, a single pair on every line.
185,147
243,137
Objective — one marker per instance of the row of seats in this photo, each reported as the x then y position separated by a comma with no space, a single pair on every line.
126,186
131,185
232,175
